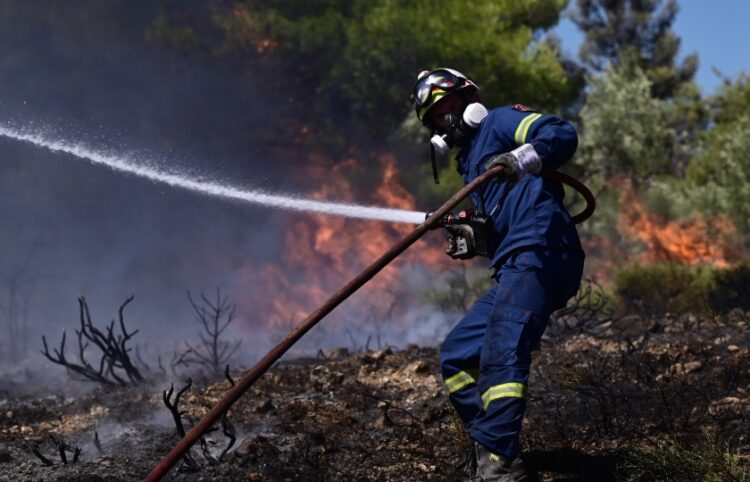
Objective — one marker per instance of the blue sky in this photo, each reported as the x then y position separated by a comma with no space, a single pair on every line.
718,31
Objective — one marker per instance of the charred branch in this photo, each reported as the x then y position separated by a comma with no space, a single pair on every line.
214,317
180,359
98,443
229,432
207,453
61,450
76,453
144,366
174,409
173,406
228,376
115,366
35,450
226,427
62,447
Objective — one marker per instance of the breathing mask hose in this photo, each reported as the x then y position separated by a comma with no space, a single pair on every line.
250,377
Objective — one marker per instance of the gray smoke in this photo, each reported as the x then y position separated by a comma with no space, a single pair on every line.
86,73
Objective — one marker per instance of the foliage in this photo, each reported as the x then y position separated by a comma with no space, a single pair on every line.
671,288
637,32
626,132
347,67
353,63
182,37
710,460
630,137
663,288
731,289
720,177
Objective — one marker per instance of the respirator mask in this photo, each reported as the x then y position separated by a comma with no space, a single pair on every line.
455,130
458,131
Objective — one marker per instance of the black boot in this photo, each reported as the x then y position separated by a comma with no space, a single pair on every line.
496,468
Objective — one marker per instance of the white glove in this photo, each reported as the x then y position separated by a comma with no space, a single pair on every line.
528,159
519,161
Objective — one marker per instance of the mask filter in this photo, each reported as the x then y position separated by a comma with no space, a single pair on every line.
474,114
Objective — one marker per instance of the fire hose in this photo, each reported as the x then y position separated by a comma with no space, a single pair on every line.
251,376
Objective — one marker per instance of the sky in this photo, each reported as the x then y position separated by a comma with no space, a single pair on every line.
717,31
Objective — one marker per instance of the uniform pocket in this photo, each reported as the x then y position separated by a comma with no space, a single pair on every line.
510,337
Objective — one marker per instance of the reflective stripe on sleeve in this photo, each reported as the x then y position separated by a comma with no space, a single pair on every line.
513,389
523,128
460,380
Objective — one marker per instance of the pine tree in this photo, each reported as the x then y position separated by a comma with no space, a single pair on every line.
638,32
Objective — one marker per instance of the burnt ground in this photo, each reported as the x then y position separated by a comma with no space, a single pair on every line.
606,402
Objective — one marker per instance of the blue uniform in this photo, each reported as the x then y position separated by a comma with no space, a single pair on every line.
538,261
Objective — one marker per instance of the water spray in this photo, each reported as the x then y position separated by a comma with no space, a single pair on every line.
434,219
437,218
216,189
251,376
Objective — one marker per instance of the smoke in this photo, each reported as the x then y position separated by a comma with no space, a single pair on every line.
70,229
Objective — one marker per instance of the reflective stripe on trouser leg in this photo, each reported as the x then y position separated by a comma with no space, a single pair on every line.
459,359
504,390
514,327
461,380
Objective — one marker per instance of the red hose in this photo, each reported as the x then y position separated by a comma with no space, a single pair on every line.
270,358
580,188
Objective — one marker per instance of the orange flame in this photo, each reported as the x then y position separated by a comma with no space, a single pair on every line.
692,241
322,252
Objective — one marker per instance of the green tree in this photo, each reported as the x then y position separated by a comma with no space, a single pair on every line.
639,32
351,64
626,132
720,177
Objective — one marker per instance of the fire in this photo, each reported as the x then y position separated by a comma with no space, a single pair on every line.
322,253
692,241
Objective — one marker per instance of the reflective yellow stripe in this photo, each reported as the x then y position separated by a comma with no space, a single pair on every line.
460,380
513,389
523,128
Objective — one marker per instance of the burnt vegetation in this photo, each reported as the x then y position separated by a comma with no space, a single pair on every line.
104,355
190,464
214,351
63,448
115,366
612,397
618,393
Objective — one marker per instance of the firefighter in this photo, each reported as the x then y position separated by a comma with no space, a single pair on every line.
535,253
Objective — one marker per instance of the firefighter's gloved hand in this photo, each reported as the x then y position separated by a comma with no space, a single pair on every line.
518,162
460,241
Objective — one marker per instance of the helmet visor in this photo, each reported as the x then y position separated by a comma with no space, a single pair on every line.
441,79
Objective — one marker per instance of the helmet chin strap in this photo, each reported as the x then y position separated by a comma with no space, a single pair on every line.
434,161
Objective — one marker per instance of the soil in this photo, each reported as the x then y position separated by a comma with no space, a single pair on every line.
595,396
